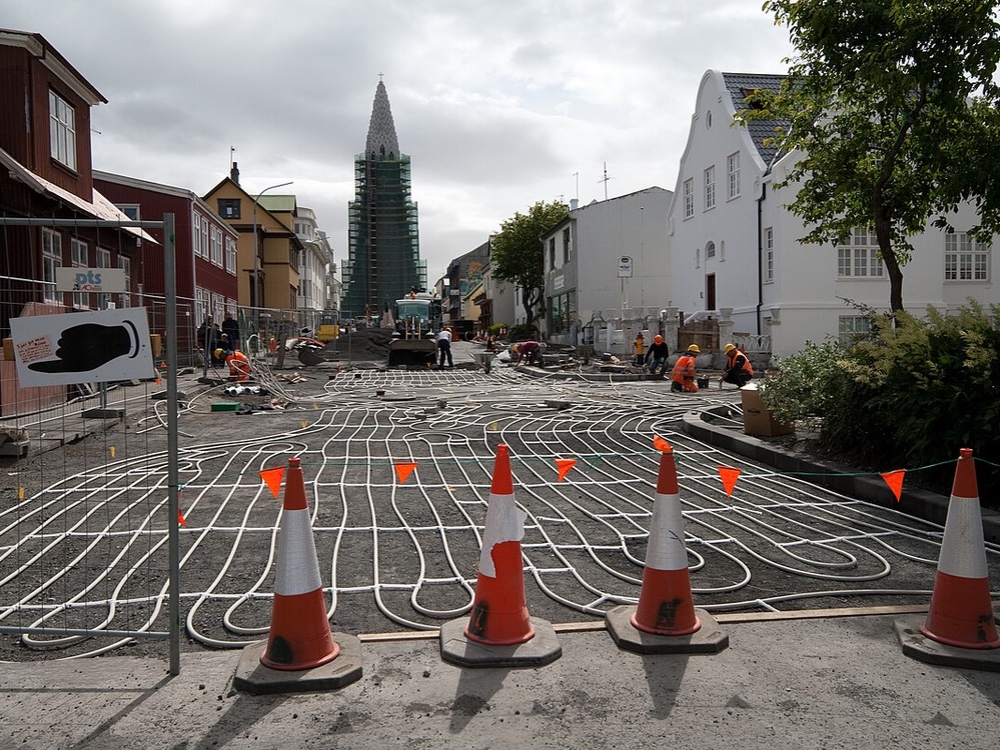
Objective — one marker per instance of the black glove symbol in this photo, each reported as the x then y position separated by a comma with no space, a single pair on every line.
90,345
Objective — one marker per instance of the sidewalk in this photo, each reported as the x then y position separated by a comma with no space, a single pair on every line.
834,683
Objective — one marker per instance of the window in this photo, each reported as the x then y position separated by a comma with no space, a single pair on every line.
710,188
858,256
733,171
854,328
769,254
51,260
131,210
562,312
204,237
231,255
965,259
62,130
103,258
124,300
78,259
688,198
552,253
229,208
709,250
216,245
566,245
196,234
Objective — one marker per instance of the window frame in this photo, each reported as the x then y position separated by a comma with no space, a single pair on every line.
79,254
967,261
733,175
688,196
62,131
769,255
52,259
709,180
857,259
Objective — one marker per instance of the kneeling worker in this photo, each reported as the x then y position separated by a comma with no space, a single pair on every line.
738,369
683,373
527,350
239,366
656,356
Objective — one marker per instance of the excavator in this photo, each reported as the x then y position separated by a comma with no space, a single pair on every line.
417,318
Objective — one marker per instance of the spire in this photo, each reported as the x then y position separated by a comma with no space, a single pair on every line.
381,130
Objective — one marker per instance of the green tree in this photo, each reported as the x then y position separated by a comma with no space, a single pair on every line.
894,107
517,255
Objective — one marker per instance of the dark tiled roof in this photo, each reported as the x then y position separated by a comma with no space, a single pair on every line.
740,85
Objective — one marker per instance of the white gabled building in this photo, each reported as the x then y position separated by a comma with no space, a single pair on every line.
609,260
735,246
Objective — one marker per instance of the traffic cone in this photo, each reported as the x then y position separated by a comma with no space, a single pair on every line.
961,612
300,645
300,636
665,603
665,620
499,632
499,612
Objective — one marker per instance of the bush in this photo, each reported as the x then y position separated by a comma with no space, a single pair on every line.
522,332
911,396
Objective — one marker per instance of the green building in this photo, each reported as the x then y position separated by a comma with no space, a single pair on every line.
383,262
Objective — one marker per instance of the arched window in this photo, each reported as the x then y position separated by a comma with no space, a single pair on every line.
709,250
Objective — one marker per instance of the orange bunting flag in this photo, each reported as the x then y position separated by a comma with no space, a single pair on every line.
564,465
895,481
272,478
660,444
403,471
180,518
729,477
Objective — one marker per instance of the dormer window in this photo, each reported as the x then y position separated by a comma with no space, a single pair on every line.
62,131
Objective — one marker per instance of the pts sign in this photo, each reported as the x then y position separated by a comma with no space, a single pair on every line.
105,280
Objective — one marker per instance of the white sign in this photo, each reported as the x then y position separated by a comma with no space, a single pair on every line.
90,347
104,280
625,267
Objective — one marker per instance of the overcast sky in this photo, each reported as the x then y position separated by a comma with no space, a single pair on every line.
498,104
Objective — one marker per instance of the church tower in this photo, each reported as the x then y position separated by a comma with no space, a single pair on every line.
383,262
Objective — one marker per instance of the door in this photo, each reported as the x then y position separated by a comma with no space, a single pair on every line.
710,291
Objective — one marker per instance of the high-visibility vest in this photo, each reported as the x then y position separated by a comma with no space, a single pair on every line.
683,369
746,361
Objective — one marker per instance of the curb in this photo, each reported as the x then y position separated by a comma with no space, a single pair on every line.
922,504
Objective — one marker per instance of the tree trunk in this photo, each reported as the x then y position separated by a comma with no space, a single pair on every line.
895,278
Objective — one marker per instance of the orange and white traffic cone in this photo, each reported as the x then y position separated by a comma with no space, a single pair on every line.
500,620
961,611
499,612
664,621
299,639
300,635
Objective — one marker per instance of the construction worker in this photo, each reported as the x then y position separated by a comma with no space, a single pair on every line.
657,355
683,373
738,369
527,350
239,366
444,347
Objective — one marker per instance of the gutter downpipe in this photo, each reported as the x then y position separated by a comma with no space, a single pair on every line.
760,249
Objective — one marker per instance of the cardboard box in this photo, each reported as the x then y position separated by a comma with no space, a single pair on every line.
757,419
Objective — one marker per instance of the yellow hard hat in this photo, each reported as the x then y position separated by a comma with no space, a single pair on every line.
729,348
514,349
218,353
694,348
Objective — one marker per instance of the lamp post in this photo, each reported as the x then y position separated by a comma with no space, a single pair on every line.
256,259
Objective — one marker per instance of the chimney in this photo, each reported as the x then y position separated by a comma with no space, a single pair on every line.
234,173
574,203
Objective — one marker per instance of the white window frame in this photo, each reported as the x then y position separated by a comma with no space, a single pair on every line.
965,259
51,260
196,233
710,188
231,255
125,263
857,258
733,172
215,243
103,258
689,198
769,255
79,253
709,250
851,327
62,130
204,237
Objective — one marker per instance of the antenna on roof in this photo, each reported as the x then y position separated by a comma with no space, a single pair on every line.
605,180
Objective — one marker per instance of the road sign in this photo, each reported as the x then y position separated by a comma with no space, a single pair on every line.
625,267
105,280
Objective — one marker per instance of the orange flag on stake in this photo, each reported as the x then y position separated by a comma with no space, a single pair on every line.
403,471
180,518
729,477
272,478
564,465
660,444
895,481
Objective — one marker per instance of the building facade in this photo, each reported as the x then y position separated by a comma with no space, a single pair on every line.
736,247
383,262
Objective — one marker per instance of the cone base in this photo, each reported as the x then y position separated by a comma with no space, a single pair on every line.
707,639
961,614
918,646
254,677
457,648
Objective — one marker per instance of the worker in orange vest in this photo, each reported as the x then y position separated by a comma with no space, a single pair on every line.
683,374
239,366
738,369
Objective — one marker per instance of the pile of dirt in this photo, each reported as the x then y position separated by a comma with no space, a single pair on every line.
366,343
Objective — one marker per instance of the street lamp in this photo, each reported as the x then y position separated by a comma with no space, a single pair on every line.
256,259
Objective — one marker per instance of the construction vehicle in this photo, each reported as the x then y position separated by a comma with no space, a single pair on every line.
417,318
329,329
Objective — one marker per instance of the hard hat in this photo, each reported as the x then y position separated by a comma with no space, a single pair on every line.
218,353
694,348
657,339
729,348
514,349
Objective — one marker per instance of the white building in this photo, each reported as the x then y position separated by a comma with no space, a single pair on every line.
607,261
314,263
735,245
